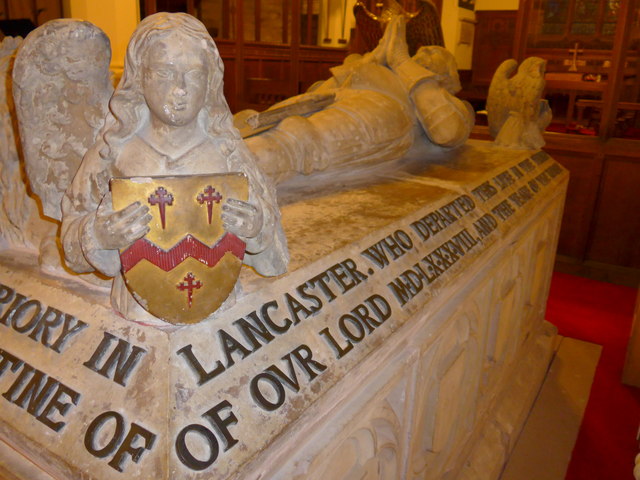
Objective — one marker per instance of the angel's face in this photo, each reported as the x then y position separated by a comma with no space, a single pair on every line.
175,78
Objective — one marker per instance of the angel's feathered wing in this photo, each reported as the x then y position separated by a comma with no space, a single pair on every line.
61,89
531,86
16,207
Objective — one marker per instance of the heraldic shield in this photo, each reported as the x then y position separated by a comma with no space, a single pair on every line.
187,265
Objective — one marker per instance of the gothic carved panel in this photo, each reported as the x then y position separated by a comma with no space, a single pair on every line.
369,449
446,389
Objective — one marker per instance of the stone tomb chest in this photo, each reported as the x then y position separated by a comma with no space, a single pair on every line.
407,341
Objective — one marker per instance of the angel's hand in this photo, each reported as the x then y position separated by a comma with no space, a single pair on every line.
113,230
243,219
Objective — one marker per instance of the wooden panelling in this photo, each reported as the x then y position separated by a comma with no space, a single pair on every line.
315,65
581,196
579,155
259,72
602,212
229,81
601,223
616,228
38,11
272,71
493,43
311,72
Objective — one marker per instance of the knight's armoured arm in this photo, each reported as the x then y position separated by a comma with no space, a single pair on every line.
446,119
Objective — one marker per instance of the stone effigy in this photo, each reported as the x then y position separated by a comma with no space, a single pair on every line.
385,103
517,113
406,340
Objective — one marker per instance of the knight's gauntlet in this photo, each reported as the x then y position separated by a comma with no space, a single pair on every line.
412,75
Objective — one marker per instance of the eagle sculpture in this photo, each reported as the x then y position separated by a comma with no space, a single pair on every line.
517,114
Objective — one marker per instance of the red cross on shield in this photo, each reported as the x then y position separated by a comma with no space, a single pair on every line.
187,265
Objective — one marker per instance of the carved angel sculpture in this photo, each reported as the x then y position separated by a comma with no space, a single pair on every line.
167,116
517,115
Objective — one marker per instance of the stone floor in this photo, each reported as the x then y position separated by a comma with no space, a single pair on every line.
544,448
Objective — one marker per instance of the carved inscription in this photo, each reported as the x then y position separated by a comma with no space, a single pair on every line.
50,401
431,266
46,325
410,259
120,363
42,396
439,239
119,446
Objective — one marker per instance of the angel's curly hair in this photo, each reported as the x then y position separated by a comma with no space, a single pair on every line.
128,107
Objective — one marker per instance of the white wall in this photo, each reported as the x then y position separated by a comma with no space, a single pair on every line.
497,4
452,20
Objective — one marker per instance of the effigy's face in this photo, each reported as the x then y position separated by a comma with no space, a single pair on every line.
175,79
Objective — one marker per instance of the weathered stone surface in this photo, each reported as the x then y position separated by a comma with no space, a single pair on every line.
168,116
20,225
406,341
61,88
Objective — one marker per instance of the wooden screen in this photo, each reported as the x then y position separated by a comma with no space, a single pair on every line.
562,23
38,11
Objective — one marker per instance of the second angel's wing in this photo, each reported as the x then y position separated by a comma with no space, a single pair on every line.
61,88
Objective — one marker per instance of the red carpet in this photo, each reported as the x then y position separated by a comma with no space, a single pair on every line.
600,313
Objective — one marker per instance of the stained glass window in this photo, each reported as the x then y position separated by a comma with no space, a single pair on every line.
561,23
